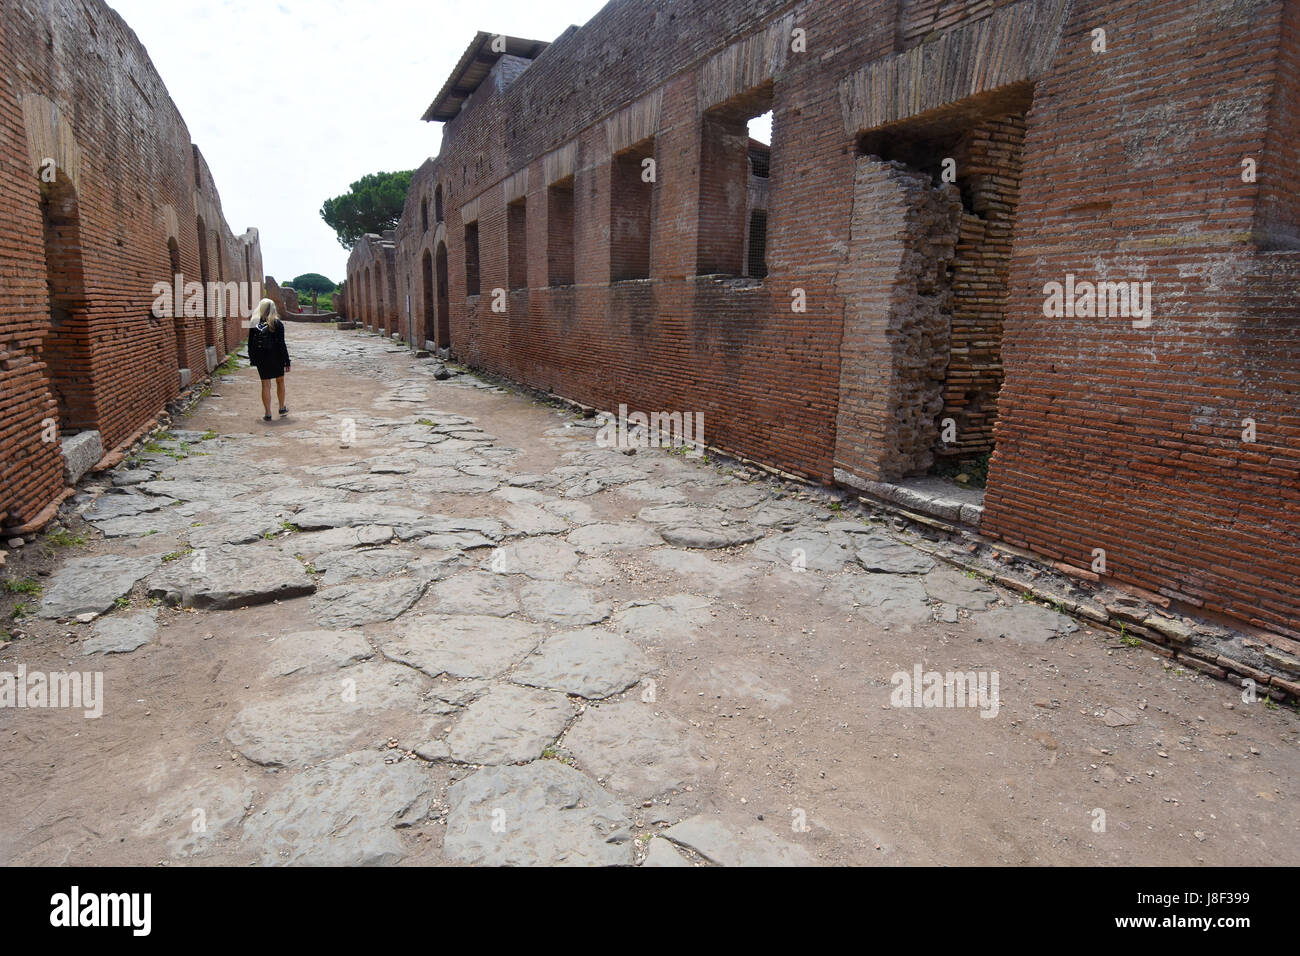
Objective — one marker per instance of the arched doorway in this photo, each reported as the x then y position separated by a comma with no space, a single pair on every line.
65,347
430,322
444,317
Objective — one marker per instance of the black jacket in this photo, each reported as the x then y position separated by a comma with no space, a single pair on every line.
266,348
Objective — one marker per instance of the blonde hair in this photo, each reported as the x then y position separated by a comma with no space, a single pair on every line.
265,312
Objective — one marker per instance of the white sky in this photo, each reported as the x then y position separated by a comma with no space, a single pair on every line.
292,101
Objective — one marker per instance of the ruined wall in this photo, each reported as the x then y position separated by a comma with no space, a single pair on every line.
1107,435
899,302
122,193
989,161
373,261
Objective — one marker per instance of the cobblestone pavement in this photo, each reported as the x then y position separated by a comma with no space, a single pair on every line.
423,621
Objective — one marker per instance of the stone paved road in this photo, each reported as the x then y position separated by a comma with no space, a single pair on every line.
434,622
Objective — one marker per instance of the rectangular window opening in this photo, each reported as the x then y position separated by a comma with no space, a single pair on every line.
471,259
735,172
631,198
559,233
517,243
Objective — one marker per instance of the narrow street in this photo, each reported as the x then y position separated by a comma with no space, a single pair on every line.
434,622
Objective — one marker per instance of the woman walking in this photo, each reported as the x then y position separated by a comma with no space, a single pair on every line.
267,351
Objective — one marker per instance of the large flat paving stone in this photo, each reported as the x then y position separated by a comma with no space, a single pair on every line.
330,715
121,634
710,535
609,536
123,505
342,813
315,652
1027,623
230,577
475,592
350,514
337,539
950,586
884,598
463,646
589,662
530,519
347,563
91,585
637,751
541,558
352,605
811,550
881,553
559,603
509,724
164,521
540,814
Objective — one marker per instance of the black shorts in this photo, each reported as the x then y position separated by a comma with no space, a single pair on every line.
270,371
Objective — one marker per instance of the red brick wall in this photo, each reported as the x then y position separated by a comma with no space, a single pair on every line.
80,86
1129,439
1108,436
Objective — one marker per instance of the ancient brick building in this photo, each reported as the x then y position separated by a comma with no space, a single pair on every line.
103,195
941,174
373,299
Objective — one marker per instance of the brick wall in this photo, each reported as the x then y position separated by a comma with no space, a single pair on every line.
1107,436
123,192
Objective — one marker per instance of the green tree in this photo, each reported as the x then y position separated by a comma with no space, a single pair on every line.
313,282
373,204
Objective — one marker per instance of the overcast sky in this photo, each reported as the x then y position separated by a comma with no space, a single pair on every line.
292,101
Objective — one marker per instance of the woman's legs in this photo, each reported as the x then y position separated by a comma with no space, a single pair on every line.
266,394
279,392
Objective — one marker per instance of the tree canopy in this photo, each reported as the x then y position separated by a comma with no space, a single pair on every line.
313,282
373,204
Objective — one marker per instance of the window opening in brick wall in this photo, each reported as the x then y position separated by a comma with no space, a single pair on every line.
559,233
471,259
631,200
209,323
424,215
735,170
178,313
64,349
437,204
517,243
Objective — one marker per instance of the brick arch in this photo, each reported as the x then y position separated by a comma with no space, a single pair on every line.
49,137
